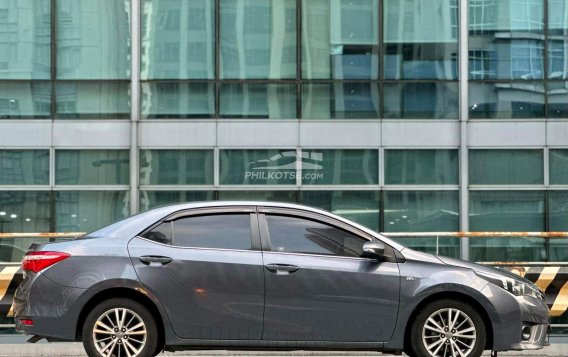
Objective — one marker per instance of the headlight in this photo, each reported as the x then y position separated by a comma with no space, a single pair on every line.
514,286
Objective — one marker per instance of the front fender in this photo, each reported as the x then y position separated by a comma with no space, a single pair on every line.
423,281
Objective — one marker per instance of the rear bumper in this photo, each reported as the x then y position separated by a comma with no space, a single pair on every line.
52,308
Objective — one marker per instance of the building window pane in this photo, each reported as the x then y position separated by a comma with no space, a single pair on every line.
178,39
558,167
340,101
421,167
340,167
506,167
176,167
417,47
558,210
558,252
558,39
85,211
25,100
93,100
258,39
92,167
506,39
557,58
429,100
178,100
25,41
153,199
558,222
359,206
507,249
421,211
502,211
273,101
93,39
258,167
506,100
24,211
24,167
270,196
506,211
340,39
557,97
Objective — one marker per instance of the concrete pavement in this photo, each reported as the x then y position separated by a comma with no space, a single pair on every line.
76,349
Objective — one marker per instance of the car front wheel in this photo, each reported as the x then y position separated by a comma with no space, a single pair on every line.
120,327
448,328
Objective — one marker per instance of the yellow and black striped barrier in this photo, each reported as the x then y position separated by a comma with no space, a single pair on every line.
10,278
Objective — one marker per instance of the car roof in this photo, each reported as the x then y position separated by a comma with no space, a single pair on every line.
137,223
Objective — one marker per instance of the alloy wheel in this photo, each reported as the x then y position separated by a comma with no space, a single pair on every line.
449,332
119,332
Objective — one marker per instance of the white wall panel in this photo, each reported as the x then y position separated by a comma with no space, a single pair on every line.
340,134
506,133
177,134
237,133
406,133
97,134
24,134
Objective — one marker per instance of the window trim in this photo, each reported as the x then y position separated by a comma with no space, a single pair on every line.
208,211
322,219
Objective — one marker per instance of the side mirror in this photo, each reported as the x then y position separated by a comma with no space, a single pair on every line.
373,250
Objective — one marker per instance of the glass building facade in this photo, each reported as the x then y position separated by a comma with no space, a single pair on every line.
403,115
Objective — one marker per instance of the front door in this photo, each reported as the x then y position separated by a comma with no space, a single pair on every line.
318,288
206,272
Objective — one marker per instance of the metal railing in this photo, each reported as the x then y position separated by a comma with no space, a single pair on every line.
547,236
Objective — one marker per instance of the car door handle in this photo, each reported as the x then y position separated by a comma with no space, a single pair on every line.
282,269
155,260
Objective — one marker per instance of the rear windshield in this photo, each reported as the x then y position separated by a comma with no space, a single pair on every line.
106,230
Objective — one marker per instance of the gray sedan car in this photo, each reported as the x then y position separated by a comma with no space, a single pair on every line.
257,275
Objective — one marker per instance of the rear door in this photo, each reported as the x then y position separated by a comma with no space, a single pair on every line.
205,267
318,288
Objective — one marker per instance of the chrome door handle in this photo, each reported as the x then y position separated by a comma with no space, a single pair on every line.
155,260
282,269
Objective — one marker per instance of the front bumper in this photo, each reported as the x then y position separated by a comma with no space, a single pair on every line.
522,312
538,339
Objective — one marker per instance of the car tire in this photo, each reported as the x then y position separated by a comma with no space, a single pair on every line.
120,324
445,325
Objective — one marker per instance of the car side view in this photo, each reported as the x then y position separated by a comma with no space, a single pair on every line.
258,275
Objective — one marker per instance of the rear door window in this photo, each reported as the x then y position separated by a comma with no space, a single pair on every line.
222,231
162,233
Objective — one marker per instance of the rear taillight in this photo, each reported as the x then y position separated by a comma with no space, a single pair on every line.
37,261
27,322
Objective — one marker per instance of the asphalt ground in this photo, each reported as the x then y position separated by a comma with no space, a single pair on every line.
76,349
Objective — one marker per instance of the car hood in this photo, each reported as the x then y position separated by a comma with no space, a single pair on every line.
437,259
482,268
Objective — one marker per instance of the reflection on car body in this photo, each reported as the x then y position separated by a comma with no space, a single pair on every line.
267,275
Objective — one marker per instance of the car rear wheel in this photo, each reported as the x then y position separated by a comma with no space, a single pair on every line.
120,328
448,328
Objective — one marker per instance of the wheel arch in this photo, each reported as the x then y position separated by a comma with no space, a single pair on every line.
451,295
127,293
